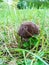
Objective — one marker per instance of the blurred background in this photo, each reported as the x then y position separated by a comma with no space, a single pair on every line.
23,4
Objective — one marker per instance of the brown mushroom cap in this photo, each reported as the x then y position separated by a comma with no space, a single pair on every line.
28,29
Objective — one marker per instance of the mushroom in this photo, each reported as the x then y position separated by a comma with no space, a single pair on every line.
27,30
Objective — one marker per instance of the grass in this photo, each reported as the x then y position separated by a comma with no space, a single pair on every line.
10,21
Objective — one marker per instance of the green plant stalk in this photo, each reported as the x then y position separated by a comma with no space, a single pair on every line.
24,57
